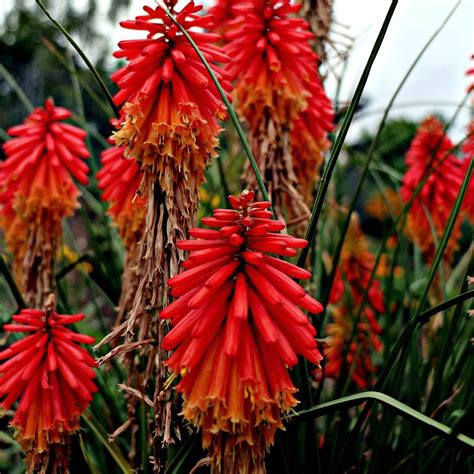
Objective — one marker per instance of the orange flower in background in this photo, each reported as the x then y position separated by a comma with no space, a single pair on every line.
37,188
50,376
237,327
357,351
352,278
171,104
384,207
120,180
432,149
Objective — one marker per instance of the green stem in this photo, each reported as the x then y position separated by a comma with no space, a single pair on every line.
337,147
406,335
111,447
402,409
424,317
16,87
371,152
81,53
230,109
11,283
72,70
390,361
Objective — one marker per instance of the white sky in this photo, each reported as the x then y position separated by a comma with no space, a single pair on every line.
439,76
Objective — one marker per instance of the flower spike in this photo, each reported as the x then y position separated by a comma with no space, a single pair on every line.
37,191
50,375
238,325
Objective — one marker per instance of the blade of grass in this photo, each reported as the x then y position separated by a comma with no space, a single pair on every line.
405,336
16,87
371,152
436,262
390,402
72,70
230,109
111,447
341,136
11,283
81,53
87,458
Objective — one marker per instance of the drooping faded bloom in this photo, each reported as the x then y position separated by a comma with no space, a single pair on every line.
50,376
237,327
276,78
348,347
328,41
37,189
431,149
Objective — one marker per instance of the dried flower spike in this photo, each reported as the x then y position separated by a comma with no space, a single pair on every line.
50,376
237,327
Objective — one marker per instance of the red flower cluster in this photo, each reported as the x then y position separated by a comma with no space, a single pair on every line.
37,191
432,149
468,150
222,14
237,326
171,105
309,139
279,92
49,375
356,265
41,162
120,180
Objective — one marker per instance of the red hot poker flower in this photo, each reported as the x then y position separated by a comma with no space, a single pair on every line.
50,376
358,356
41,161
171,105
120,180
278,91
222,13
432,148
37,187
309,139
468,150
237,326
272,60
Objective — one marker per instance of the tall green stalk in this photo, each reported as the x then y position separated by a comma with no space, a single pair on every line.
230,109
81,53
371,152
341,136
